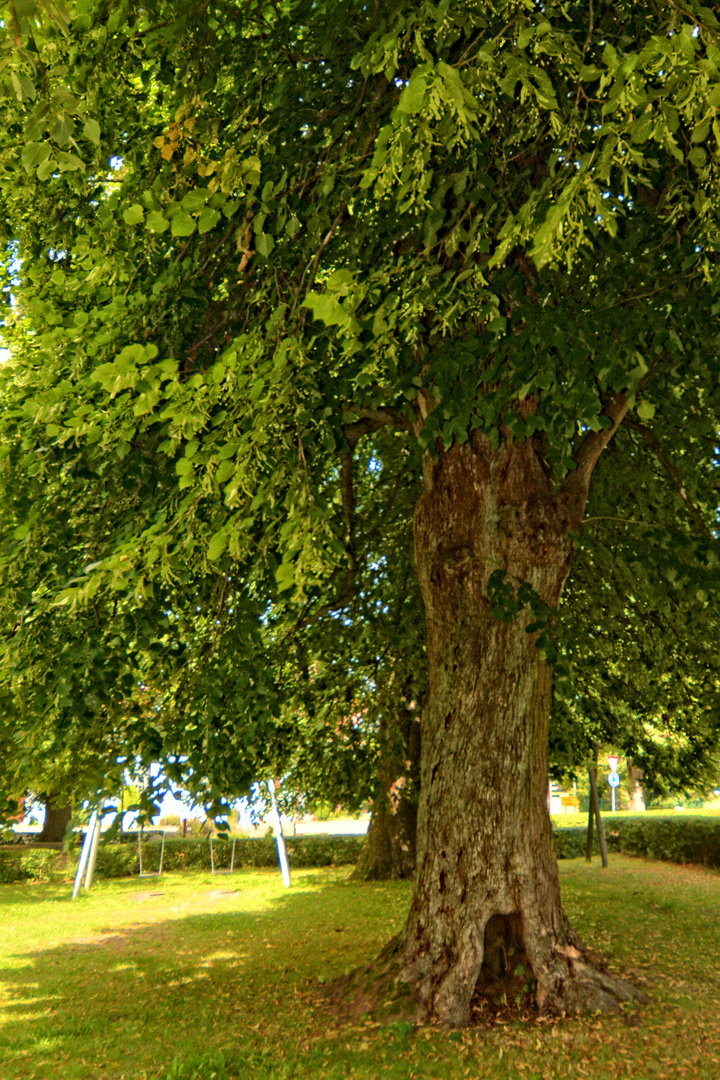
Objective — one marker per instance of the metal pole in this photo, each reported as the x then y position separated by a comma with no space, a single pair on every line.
84,854
613,799
280,839
92,858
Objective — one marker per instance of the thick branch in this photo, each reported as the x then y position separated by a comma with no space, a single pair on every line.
654,443
372,419
577,483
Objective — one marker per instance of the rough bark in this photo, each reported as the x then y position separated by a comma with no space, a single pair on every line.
487,884
57,819
391,842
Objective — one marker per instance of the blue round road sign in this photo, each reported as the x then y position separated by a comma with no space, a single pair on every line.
614,779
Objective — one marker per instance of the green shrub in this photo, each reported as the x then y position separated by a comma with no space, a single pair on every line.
18,863
10,870
570,842
115,860
683,839
680,839
303,851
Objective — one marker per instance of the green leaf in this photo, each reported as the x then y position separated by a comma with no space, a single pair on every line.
697,157
326,308
182,224
285,576
195,200
70,162
264,243
46,169
218,543
646,410
23,86
184,467
155,222
91,131
62,128
34,153
413,96
133,215
208,219
225,470
292,227
700,133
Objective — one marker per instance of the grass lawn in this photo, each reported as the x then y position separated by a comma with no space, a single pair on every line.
201,983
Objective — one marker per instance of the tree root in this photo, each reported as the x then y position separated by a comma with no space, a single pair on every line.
586,987
579,983
374,989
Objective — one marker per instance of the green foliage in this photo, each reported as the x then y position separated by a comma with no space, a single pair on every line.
18,864
683,839
121,860
679,839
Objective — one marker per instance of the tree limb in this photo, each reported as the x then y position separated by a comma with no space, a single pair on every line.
577,482
654,443
372,419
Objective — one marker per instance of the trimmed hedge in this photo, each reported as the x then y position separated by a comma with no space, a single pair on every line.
683,839
679,839
121,859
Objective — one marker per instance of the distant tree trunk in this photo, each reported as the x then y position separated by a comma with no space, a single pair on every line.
57,819
637,792
391,841
487,895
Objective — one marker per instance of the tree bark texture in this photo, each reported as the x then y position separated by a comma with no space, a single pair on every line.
391,842
57,819
487,885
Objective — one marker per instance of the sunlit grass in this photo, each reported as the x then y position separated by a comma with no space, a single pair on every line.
202,983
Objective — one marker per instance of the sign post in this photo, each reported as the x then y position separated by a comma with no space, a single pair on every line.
613,778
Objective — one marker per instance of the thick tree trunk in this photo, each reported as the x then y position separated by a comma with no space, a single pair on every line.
487,895
57,819
391,843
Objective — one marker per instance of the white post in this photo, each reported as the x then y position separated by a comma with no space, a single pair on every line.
84,853
280,839
613,799
92,858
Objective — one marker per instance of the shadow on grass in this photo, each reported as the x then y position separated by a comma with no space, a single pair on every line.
218,994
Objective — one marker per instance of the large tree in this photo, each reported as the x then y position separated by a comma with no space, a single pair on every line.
468,243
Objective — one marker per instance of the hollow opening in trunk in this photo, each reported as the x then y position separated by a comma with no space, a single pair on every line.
506,986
